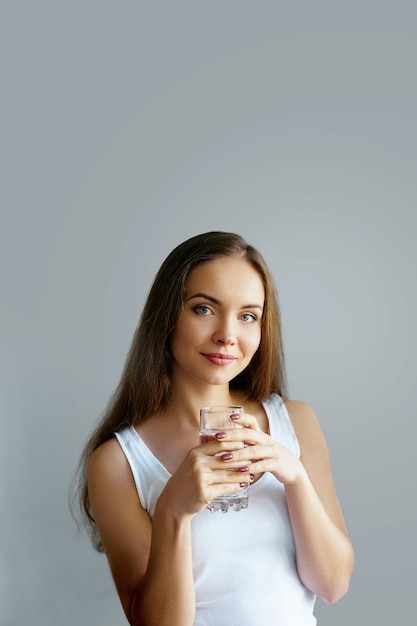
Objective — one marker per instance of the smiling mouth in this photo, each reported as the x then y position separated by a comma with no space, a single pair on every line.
220,359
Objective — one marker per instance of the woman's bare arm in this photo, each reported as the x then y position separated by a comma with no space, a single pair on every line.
324,552
150,561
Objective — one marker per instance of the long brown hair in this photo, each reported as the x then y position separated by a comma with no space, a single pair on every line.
144,388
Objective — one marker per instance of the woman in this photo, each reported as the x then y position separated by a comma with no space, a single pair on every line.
210,335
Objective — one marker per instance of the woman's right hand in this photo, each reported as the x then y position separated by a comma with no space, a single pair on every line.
203,475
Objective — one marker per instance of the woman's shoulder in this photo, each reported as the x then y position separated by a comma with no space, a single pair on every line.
306,425
106,458
298,409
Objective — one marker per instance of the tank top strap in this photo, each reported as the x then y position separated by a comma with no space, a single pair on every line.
280,425
149,474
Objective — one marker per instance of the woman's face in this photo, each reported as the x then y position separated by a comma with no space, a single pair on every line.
219,329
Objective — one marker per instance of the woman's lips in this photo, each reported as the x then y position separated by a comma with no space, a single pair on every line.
220,359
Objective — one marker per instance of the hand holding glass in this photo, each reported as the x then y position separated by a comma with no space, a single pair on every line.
214,419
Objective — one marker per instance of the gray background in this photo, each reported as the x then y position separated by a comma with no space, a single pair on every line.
127,127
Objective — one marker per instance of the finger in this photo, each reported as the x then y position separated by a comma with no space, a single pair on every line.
245,419
222,489
247,457
230,477
247,436
214,447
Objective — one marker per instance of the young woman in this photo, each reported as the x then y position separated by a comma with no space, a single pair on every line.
210,334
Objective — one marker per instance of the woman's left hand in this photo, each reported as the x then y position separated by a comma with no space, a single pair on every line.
263,453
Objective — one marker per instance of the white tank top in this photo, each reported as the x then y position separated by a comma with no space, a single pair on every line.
243,562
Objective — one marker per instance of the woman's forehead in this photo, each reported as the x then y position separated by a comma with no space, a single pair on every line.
226,275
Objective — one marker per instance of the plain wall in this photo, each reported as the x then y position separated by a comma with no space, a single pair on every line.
126,128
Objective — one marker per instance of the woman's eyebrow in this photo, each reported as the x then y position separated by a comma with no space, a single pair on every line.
205,296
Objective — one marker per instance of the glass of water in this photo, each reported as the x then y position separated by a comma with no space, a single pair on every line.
214,419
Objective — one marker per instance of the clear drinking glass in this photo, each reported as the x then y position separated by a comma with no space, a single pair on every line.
214,419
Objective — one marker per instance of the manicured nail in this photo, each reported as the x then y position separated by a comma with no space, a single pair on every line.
244,469
227,456
243,485
252,476
235,416
220,435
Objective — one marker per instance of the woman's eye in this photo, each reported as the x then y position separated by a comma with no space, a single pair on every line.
202,309
248,317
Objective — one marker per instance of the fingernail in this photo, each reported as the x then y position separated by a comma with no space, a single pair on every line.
220,435
235,416
227,456
244,469
252,476
243,485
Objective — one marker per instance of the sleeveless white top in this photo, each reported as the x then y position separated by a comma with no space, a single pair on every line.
243,562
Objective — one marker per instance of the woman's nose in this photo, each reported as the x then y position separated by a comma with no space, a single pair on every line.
225,335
